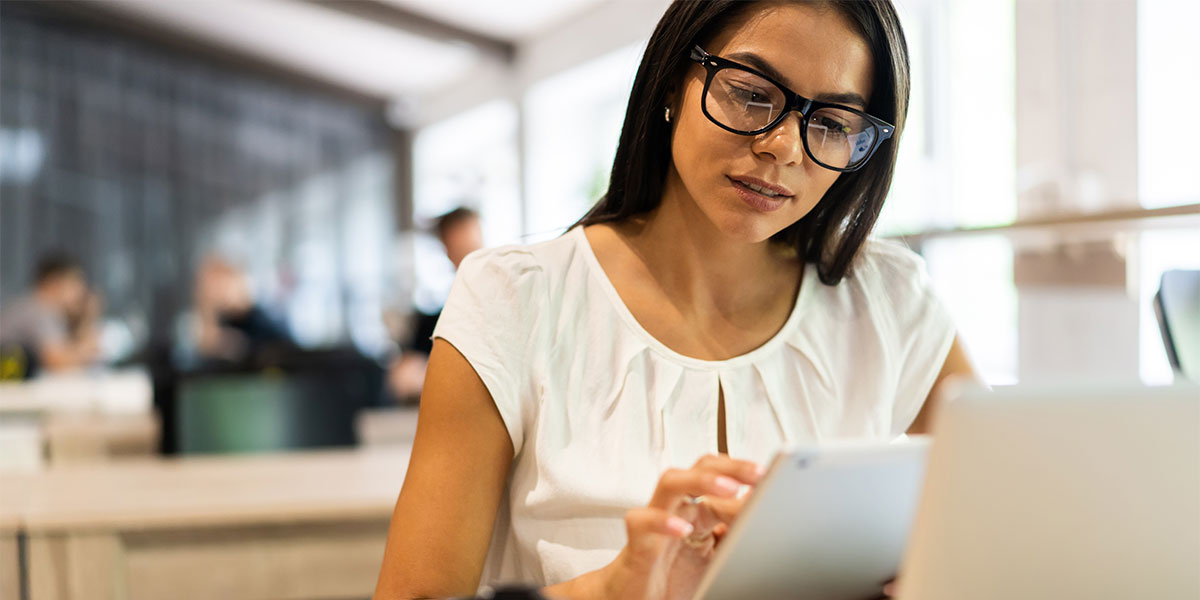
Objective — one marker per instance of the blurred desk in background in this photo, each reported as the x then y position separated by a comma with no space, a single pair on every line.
76,418
395,426
10,562
95,438
123,392
297,525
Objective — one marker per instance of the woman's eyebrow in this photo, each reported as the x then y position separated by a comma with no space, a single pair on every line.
850,98
753,60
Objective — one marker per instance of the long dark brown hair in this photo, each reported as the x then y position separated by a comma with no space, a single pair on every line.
830,235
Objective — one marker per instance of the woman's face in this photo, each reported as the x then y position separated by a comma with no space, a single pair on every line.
816,53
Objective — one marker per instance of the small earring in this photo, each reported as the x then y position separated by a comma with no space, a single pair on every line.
667,114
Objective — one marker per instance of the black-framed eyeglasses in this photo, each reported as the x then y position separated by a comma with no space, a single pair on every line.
742,100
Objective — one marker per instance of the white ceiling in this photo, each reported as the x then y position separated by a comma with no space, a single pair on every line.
509,20
371,58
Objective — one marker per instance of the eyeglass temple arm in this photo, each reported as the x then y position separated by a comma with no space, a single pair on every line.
698,54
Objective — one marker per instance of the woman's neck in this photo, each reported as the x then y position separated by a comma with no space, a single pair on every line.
702,269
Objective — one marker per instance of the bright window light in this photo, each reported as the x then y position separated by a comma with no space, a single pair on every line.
1168,66
573,124
957,164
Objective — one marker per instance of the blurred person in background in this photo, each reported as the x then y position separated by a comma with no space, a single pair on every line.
229,326
84,319
595,403
55,324
460,233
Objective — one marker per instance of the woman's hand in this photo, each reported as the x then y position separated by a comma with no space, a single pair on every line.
671,540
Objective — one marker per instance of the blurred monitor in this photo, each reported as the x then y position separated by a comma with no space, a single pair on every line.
273,409
1177,306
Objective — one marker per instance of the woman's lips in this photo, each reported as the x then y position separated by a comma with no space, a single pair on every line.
755,200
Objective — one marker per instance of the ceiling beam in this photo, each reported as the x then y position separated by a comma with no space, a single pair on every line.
403,19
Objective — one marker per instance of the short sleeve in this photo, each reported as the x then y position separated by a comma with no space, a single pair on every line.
919,326
491,318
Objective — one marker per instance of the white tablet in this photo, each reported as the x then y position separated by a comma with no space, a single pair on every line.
825,522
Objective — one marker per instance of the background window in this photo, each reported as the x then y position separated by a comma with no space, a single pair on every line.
1168,66
573,121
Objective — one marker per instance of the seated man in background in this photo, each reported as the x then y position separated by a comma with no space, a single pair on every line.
229,325
461,234
55,322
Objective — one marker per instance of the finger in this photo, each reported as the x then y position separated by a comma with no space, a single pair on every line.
742,470
648,530
721,530
725,510
646,520
676,484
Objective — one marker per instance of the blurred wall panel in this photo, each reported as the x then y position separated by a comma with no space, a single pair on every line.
1076,105
1077,152
139,160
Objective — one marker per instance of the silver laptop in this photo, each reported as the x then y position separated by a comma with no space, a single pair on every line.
1060,493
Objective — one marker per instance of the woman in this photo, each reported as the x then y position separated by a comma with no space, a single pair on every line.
720,302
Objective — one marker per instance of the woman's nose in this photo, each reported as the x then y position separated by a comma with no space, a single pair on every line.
782,144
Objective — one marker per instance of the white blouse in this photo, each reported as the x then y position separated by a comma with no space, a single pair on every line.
597,408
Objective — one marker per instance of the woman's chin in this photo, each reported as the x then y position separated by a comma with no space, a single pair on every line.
743,224
744,230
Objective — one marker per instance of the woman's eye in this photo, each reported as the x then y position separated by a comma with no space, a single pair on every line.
749,96
833,126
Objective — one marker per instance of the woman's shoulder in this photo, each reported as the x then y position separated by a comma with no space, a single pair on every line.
889,261
520,265
891,283
884,277
886,271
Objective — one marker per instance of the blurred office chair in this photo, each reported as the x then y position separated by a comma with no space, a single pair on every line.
1177,306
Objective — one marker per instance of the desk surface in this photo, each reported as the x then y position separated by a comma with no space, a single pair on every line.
157,493
124,392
